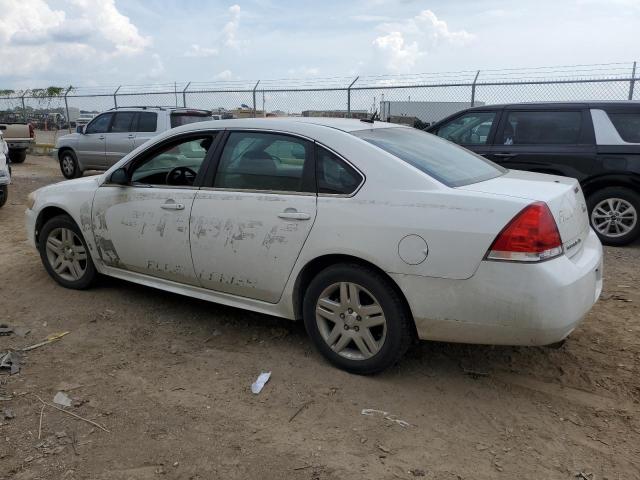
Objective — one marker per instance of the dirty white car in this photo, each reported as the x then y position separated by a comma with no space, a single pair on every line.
5,171
374,234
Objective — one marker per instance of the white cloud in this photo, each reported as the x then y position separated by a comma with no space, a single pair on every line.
157,70
304,71
223,75
230,30
35,37
197,51
403,43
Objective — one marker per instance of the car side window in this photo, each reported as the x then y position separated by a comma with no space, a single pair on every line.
627,125
147,122
100,124
264,161
469,129
123,122
333,175
541,128
175,164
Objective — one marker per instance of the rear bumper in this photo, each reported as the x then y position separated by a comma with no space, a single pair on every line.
508,303
19,144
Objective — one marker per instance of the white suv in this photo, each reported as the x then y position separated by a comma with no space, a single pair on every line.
113,134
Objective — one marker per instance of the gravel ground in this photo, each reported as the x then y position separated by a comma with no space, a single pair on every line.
169,378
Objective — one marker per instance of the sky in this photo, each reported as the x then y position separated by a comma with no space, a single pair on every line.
112,42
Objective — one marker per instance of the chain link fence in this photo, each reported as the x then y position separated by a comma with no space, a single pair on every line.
415,99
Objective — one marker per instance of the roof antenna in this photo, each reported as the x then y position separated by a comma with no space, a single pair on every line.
372,119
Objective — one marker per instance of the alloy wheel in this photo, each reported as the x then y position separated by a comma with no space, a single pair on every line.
68,165
66,254
614,217
351,321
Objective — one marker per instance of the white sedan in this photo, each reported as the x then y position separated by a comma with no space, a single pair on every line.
374,234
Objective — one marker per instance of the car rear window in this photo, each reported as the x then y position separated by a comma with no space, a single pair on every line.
184,118
627,125
445,161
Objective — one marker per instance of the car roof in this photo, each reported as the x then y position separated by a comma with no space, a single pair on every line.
566,104
290,124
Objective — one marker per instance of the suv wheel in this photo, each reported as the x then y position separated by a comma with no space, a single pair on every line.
614,215
64,253
356,319
69,165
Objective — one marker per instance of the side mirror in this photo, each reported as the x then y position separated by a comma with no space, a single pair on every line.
120,177
80,129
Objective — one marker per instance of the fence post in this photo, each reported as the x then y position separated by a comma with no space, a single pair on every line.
24,109
349,96
254,100
115,99
473,89
184,95
632,83
66,108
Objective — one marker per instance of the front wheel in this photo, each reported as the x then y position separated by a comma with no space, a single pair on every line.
69,165
613,213
357,319
64,253
4,194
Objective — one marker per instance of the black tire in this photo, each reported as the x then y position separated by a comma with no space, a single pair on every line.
90,273
69,164
17,155
625,194
399,324
4,194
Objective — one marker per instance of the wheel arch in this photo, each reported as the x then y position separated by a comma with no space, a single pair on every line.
63,149
47,214
315,266
592,185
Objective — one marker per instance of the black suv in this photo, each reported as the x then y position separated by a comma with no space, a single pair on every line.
596,142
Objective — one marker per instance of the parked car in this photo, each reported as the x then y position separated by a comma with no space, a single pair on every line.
597,143
372,233
19,137
111,135
5,171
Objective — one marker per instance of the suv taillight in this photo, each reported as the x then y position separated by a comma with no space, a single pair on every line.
32,132
531,236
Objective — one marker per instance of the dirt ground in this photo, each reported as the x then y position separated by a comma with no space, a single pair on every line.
169,377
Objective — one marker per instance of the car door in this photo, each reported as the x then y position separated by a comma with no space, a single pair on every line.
146,127
119,139
473,130
252,217
91,147
143,226
558,141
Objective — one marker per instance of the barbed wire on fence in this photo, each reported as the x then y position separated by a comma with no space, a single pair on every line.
417,97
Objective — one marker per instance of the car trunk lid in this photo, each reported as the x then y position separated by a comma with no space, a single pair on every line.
563,196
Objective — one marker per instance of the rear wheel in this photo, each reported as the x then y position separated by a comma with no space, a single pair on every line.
17,156
64,253
614,213
4,193
69,165
356,319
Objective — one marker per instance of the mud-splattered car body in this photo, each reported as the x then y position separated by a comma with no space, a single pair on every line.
257,248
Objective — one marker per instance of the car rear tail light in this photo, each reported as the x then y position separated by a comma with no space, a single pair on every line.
32,132
531,236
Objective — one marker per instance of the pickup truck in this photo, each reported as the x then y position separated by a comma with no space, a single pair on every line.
19,136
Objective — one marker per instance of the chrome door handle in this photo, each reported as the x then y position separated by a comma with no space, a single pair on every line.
101,137
294,215
172,206
131,136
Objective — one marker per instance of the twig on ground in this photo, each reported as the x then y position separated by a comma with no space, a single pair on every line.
73,414
302,407
303,468
40,424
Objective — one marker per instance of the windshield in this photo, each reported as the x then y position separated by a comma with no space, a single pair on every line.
445,161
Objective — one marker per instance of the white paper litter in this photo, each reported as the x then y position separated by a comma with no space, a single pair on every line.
371,412
256,387
61,398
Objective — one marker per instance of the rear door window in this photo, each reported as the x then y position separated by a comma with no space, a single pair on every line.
627,125
334,176
123,122
541,128
147,122
469,129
